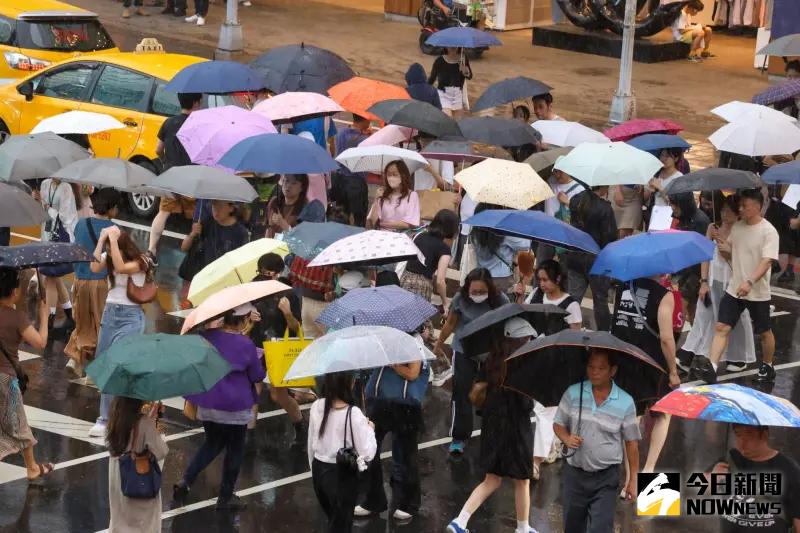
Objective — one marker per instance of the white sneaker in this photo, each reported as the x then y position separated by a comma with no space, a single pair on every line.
191,18
401,515
98,430
246,3
201,21
361,512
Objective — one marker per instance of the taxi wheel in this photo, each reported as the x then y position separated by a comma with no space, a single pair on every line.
4,133
144,205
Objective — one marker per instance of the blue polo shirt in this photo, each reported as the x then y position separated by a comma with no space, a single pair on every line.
82,238
316,127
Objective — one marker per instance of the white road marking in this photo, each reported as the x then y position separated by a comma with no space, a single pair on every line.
27,356
67,426
142,227
785,293
9,472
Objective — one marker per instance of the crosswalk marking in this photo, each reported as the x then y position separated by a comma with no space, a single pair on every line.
9,472
67,426
27,356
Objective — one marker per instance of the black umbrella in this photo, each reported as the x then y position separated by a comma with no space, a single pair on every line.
498,131
18,208
462,151
545,367
301,67
41,254
714,179
421,116
509,90
544,318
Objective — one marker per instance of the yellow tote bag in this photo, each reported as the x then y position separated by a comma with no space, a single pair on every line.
279,355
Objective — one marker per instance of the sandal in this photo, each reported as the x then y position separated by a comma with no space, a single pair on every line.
44,470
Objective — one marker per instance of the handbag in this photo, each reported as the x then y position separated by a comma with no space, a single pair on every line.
189,410
279,354
431,202
139,473
477,394
193,261
347,456
146,293
390,386
22,377
58,233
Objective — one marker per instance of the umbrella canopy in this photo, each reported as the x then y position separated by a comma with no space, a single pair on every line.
731,403
42,253
777,93
389,306
736,111
614,163
542,162
562,358
421,116
462,37
787,173
462,151
216,77
155,367
375,158
564,133
510,90
296,106
309,239
208,134
369,248
786,46
106,172
357,348
357,95
234,268
229,298
497,131
38,155
638,126
655,142
301,67
713,179
279,154
18,208
507,183
652,253
205,183
765,136
390,134
85,122
536,226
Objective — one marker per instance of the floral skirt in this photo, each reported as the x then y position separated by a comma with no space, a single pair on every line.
15,434
418,284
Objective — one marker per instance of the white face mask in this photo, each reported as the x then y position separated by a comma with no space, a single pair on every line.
479,298
394,182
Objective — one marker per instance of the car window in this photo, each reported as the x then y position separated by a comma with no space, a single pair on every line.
63,35
69,83
165,102
119,87
6,30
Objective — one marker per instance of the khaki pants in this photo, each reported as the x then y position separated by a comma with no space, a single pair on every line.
311,311
88,302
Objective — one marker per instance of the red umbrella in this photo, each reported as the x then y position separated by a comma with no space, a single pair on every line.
638,126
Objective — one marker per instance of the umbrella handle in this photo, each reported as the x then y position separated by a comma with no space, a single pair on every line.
40,282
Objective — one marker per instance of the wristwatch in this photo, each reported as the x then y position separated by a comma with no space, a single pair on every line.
704,280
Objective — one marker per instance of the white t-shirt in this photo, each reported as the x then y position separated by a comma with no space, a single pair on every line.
466,210
324,448
661,199
118,294
680,25
574,316
571,188
424,180
749,245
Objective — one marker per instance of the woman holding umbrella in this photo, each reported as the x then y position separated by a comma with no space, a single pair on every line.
497,253
653,193
448,74
397,207
291,205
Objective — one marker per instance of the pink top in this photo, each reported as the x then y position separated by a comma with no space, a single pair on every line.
318,189
407,210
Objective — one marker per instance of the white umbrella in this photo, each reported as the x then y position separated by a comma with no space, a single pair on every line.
768,135
375,158
358,348
389,134
613,163
85,122
107,172
506,183
564,133
370,248
737,111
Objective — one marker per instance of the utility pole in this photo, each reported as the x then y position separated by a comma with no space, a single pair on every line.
230,34
624,103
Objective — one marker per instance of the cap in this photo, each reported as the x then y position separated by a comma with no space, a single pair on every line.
516,328
353,279
244,309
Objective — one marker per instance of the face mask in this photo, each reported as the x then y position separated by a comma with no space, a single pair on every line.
479,298
394,182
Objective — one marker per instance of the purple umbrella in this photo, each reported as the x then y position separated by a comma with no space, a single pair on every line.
778,93
209,133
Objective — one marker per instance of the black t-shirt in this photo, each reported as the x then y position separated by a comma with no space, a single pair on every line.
789,495
273,323
446,74
218,239
433,248
174,152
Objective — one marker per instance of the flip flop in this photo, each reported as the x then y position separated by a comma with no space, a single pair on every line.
44,470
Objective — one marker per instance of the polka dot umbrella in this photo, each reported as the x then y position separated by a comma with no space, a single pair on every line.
370,248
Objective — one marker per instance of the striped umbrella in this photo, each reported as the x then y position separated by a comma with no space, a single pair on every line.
777,93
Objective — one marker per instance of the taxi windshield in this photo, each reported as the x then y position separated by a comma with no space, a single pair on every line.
63,35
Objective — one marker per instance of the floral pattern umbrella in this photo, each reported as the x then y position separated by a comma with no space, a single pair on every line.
507,183
370,248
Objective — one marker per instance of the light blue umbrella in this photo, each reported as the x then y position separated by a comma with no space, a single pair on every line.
463,37
655,142
279,154
390,306
783,173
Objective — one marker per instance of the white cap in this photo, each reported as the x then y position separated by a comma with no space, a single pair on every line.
517,328
353,279
244,309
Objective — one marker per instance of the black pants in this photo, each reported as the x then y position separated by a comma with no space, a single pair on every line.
336,490
464,371
589,499
404,478
219,437
201,8
579,280
127,3
5,236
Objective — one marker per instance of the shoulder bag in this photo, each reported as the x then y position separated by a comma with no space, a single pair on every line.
145,293
347,457
139,473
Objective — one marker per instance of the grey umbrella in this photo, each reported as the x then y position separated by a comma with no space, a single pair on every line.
38,155
462,151
106,172
714,179
18,208
542,161
421,116
205,183
498,131
786,46
509,90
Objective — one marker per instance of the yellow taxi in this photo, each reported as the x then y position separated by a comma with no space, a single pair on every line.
126,85
36,33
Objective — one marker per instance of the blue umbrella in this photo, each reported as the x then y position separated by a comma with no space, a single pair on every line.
460,37
783,173
389,306
308,239
216,77
509,90
279,154
655,142
652,253
535,225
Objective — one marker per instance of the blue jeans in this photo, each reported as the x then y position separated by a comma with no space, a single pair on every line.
219,437
118,321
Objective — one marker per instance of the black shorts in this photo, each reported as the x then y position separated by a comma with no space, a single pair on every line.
731,308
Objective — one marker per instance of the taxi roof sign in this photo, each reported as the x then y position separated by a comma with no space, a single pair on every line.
149,45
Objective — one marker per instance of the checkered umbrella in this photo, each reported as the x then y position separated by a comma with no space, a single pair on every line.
389,306
777,93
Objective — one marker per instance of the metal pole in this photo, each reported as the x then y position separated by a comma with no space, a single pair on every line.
623,105
230,33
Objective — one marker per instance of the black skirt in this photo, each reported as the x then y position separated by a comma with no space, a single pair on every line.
507,434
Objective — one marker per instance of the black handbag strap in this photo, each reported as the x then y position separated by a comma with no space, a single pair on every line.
92,233
348,419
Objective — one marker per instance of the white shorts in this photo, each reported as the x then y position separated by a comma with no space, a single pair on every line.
452,98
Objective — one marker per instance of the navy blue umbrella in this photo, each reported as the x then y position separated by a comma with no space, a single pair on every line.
301,67
783,173
41,254
463,37
389,306
308,239
279,154
536,226
655,142
509,90
216,77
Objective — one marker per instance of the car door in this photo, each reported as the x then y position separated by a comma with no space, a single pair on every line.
55,91
125,95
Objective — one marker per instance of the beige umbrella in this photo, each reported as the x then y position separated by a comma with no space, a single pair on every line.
506,183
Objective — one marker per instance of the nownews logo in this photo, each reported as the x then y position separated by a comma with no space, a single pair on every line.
659,494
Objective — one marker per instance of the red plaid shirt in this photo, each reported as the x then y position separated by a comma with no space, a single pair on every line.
319,279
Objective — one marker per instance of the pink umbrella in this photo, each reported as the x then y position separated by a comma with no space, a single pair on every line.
208,134
293,106
638,126
389,135
229,298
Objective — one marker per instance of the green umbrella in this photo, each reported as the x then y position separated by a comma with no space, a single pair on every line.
154,367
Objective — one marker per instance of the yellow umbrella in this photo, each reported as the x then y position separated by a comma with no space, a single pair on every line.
506,183
234,268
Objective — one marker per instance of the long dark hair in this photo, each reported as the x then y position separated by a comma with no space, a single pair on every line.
499,350
125,414
554,271
482,274
444,225
128,250
336,386
484,238
302,199
406,185
9,280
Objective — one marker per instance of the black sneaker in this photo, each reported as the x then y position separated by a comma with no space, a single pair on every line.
735,367
684,360
234,503
704,370
765,373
